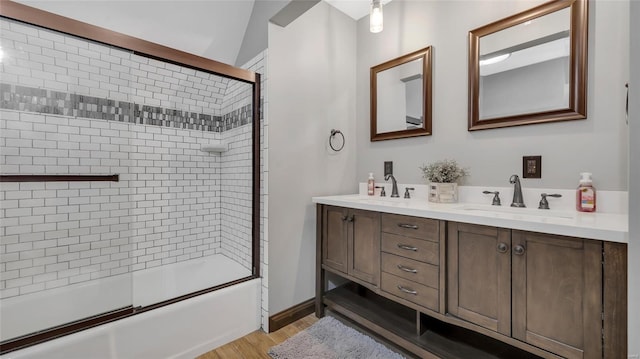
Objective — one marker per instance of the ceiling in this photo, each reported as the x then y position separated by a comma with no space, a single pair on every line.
214,28
357,9
210,28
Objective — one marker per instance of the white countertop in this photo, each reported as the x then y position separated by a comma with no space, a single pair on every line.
613,227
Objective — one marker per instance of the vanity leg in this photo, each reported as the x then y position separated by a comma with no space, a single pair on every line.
615,300
321,280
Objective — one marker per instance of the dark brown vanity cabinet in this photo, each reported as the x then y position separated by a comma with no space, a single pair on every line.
479,275
557,293
443,289
351,242
411,258
541,289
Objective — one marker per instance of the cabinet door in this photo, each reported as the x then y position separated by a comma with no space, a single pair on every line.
557,293
479,275
334,238
364,246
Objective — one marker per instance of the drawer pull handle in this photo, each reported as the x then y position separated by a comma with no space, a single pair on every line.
409,248
406,269
408,291
409,226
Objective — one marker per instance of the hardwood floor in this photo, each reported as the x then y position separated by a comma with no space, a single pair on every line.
257,344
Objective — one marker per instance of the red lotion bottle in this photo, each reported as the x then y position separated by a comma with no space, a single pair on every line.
586,194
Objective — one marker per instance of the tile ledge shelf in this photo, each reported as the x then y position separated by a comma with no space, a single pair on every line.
214,147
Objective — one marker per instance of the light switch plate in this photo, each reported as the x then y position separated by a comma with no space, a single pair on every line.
531,166
388,168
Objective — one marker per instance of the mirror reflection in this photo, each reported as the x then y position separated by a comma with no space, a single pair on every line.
401,97
530,67
525,68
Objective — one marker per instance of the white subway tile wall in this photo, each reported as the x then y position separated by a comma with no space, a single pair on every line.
164,209
168,205
259,65
236,196
43,59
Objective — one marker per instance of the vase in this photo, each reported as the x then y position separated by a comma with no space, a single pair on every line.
443,192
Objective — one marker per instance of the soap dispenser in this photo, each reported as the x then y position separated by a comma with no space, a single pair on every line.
586,194
371,185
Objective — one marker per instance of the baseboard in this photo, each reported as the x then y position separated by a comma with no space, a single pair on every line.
290,315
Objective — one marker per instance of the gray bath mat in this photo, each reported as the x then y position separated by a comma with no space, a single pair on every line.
330,339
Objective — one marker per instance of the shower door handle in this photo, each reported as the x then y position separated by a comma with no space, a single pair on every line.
626,106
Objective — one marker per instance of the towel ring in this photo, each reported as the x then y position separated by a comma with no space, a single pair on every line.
333,134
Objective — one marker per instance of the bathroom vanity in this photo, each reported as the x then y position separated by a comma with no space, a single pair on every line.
472,281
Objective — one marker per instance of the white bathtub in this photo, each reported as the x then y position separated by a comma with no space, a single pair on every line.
42,310
170,281
181,330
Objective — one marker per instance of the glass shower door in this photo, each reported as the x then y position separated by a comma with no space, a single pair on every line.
192,216
65,236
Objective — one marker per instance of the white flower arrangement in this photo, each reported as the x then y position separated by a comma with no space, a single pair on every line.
446,171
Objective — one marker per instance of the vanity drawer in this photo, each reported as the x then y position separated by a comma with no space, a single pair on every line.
423,251
406,268
416,227
411,291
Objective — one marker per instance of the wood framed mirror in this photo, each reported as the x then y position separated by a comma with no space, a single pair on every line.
401,97
530,67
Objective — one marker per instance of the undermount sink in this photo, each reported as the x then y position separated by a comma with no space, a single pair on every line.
379,200
498,210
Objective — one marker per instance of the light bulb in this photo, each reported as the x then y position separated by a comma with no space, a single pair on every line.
494,60
375,17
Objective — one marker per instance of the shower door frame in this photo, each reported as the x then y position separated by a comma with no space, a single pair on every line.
44,19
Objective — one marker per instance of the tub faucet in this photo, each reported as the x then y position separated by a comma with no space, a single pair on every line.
517,192
394,189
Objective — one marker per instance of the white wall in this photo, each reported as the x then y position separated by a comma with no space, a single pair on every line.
311,91
597,144
255,37
634,184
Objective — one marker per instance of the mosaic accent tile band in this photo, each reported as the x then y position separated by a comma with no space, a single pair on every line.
30,99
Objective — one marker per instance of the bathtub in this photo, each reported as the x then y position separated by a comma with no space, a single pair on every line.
181,330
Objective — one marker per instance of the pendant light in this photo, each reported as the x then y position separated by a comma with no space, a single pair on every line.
375,16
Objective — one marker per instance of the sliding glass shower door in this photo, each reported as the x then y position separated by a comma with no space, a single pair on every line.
65,195
127,182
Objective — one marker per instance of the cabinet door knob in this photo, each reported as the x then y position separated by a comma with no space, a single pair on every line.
408,291
344,218
408,248
518,250
502,248
350,218
406,269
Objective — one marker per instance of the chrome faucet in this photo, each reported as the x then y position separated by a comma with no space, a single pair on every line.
517,192
394,189
496,197
544,204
